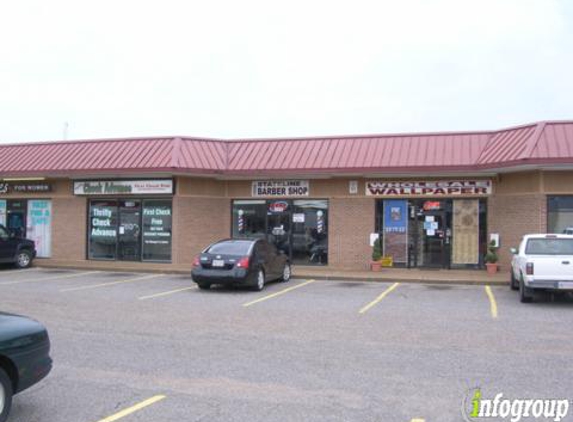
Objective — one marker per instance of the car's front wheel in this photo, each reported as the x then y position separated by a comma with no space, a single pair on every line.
525,293
23,259
260,280
5,395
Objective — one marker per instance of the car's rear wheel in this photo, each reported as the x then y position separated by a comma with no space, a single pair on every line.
513,284
260,280
204,286
23,259
286,273
525,293
5,395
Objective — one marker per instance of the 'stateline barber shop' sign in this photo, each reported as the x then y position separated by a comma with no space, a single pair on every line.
280,188
429,188
124,187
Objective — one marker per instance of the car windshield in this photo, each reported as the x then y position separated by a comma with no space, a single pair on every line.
231,248
549,247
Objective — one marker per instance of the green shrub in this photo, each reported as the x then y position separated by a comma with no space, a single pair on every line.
377,250
491,255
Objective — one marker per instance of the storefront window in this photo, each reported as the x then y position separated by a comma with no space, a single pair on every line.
560,214
31,219
103,230
130,230
157,235
309,232
249,218
39,226
297,227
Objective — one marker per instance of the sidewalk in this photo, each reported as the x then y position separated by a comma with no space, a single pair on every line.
404,275
413,275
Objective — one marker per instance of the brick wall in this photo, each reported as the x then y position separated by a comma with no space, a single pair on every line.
513,216
198,221
69,228
351,220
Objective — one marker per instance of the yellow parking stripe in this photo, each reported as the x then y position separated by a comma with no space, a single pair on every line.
378,299
492,302
133,409
111,283
418,420
57,277
282,292
167,293
22,270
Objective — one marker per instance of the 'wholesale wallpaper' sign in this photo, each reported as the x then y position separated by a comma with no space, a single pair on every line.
429,188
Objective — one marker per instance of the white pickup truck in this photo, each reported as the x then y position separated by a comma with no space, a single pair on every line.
542,262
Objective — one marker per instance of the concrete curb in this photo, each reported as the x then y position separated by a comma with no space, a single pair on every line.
466,282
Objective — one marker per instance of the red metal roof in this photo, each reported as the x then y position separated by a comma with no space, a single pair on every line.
543,143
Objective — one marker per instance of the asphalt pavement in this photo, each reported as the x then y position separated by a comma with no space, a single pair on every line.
152,347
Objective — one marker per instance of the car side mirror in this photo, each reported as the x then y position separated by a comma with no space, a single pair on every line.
513,251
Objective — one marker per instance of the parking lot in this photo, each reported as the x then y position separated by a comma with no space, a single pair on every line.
152,347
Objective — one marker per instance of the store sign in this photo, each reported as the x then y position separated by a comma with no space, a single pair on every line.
429,188
124,187
18,187
280,188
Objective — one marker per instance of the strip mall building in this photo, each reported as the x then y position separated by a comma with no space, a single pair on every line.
434,199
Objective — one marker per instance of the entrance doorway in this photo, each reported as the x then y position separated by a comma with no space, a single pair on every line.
429,233
129,229
16,217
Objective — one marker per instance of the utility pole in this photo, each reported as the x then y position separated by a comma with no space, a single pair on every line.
66,125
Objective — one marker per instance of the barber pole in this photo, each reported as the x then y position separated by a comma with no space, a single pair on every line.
241,222
319,222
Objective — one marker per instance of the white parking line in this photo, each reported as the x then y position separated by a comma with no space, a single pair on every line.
112,283
57,277
166,293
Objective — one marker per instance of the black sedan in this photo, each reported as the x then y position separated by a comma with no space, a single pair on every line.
24,357
240,262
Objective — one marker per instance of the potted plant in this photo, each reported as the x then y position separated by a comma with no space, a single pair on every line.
376,256
491,258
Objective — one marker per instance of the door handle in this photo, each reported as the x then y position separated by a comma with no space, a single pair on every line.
565,262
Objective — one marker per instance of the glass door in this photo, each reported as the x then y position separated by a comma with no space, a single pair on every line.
279,226
430,233
434,218
16,218
129,229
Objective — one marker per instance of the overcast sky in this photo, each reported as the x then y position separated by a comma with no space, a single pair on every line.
234,69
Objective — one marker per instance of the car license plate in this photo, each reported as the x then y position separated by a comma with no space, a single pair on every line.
218,263
568,285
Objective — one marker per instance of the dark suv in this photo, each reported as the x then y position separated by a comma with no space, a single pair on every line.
14,250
